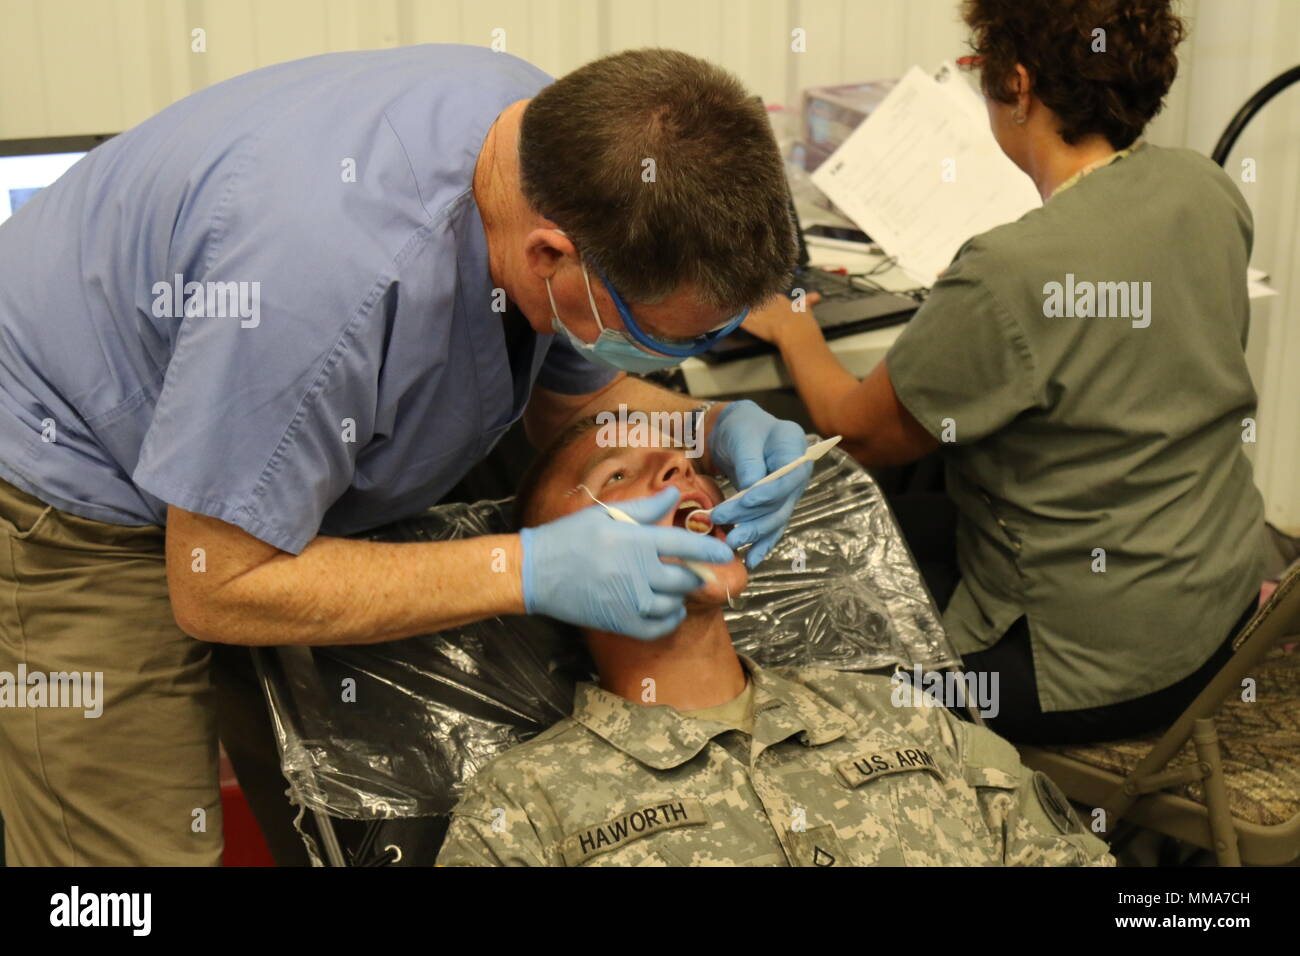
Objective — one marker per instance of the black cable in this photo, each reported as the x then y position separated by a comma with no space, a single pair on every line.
1252,106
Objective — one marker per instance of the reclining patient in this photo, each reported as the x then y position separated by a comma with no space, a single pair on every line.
686,754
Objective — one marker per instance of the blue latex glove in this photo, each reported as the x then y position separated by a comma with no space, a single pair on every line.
748,444
593,571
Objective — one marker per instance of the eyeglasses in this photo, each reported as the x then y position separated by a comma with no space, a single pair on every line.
697,346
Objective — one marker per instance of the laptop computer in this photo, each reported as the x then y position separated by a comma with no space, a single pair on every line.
846,307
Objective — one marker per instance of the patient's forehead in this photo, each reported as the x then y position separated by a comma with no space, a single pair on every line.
578,458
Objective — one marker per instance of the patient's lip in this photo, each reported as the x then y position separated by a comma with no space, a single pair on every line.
697,490
693,498
689,491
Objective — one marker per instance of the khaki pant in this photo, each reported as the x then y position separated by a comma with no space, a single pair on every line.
125,788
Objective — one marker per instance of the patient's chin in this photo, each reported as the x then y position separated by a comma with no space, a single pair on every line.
731,579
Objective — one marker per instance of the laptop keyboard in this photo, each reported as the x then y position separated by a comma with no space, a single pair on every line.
829,285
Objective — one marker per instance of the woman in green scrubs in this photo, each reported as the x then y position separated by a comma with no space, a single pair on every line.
1082,373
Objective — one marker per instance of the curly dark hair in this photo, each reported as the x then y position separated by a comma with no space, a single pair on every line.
1114,93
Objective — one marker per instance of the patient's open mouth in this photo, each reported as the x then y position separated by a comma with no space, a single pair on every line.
685,507
690,515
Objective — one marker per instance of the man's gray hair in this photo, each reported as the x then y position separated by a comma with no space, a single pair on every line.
664,171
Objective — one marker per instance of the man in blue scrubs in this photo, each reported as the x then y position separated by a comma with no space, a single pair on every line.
303,303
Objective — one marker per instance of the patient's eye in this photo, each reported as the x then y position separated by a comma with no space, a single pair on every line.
620,475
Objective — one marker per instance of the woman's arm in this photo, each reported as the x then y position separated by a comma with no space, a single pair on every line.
877,429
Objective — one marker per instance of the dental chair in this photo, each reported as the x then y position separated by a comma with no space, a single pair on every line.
376,740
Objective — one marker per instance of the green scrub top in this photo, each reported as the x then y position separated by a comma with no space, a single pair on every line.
1084,369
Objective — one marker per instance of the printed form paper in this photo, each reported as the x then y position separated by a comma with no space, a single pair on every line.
923,173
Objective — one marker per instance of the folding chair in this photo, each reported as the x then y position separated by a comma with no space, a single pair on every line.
376,740
1226,776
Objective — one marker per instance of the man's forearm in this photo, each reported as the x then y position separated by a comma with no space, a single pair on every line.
549,412
341,591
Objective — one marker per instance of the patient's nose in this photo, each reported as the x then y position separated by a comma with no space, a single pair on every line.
674,467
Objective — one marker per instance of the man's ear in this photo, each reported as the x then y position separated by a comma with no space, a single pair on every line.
544,249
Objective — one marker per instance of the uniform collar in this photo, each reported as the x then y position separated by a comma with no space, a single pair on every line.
1094,166
660,737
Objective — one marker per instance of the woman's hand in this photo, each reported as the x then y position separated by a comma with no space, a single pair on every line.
773,319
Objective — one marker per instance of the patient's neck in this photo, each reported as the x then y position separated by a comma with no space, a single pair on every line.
692,668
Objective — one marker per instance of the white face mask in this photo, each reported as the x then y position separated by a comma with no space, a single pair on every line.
612,348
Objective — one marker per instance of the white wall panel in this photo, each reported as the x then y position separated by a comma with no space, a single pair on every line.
23,61
140,77
283,30
232,38
823,62
873,40
71,33
754,43
1235,55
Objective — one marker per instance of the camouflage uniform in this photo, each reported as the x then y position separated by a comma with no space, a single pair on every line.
834,774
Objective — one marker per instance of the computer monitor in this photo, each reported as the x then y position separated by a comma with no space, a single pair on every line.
29,165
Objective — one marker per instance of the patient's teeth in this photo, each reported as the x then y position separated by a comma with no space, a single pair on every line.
699,522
